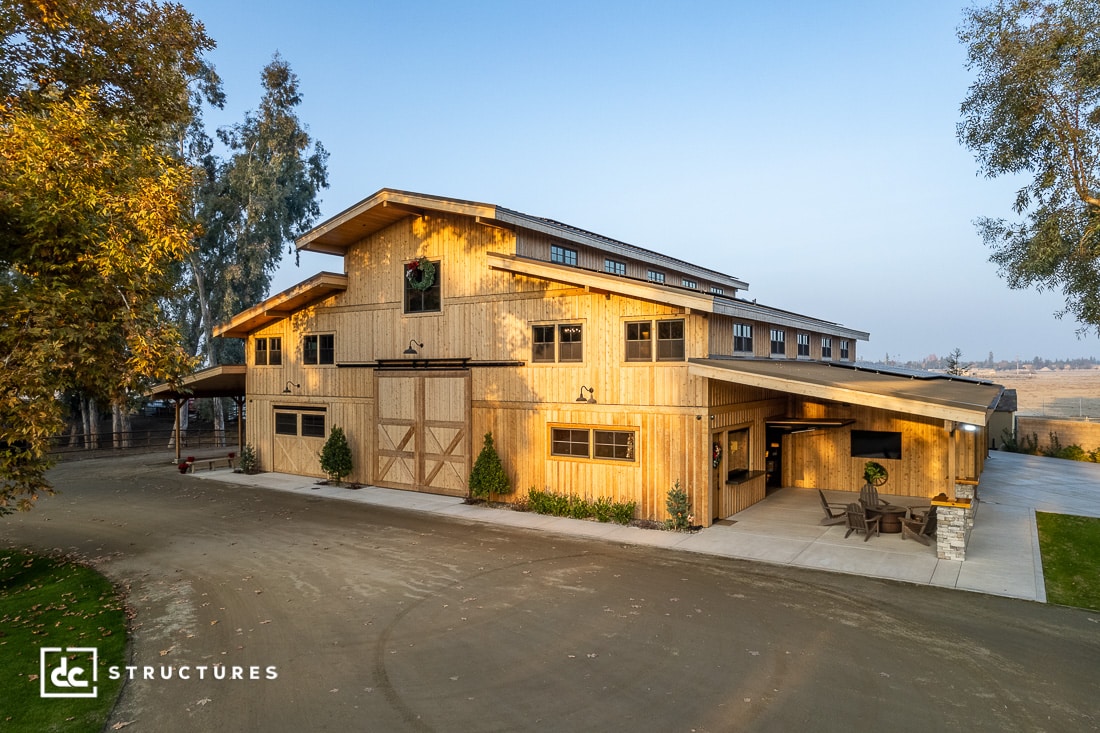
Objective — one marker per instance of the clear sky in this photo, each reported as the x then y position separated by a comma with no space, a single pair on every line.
806,147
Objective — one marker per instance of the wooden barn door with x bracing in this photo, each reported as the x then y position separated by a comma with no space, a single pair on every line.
423,433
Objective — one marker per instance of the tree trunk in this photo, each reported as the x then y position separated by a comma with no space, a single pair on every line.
91,424
219,422
116,426
121,425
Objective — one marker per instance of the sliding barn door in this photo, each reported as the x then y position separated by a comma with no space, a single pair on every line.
423,434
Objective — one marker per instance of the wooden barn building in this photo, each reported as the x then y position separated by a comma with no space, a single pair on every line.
601,369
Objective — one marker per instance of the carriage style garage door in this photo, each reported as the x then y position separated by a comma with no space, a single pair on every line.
423,434
300,432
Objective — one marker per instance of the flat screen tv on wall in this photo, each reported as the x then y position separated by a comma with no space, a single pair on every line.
875,444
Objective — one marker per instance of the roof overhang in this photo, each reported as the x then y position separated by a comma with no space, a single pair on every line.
224,380
962,401
280,306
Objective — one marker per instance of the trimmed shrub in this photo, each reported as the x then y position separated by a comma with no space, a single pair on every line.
488,476
678,505
248,461
336,456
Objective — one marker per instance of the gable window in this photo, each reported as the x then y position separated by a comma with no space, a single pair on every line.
269,351
639,341
844,350
594,443
563,342
654,276
717,291
689,283
826,347
563,255
742,338
319,349
614,267
429,300
670,340
803,344
779,342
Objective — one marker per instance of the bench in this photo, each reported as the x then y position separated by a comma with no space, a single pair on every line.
211,463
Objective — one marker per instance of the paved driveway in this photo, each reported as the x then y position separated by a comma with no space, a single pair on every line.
388,620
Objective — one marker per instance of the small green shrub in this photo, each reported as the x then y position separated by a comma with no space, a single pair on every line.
602,509
577,507
622,512
488,476
248,462
678,505
336,456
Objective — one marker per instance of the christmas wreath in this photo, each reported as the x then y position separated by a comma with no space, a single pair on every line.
420,274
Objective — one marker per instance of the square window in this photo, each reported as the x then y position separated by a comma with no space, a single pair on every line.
670,340
570,342
614,267
423,293
313,426
286,423
639,341
614,444
563,255
319,349
542,343
567,442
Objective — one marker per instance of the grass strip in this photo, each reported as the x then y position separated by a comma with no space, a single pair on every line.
1070,548
47,602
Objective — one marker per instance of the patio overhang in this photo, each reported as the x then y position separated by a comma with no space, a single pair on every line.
805,424
224,380
963,401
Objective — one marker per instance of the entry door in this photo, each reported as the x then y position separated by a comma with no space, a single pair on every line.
423,436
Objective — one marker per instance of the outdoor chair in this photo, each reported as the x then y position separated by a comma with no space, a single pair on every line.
834,512
869,498
920,526
857,520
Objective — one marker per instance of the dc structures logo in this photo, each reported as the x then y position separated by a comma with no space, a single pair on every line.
69,672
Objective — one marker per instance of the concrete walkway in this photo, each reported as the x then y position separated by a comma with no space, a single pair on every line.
1002,557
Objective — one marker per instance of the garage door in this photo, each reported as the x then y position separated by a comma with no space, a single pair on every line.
423,436
300,432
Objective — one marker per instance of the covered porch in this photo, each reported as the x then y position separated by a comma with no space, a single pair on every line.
224,380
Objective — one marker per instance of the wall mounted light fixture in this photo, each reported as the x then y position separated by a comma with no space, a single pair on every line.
412,350
289,384
591,399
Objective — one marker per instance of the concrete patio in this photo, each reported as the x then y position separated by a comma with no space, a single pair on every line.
1002,557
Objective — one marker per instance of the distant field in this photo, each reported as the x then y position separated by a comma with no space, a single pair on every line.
1074,393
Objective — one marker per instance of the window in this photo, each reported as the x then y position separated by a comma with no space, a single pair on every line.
655,277
717,291
568,338
566,442
286,423
269,351
670,340
425,301
570,342
617,445
689,283
319,349
737,454
639,341
875,444
313,426
604,445
563,255
803,344
614,267
826,347
779,342
742,338
844,350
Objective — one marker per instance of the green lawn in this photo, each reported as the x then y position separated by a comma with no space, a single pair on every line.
1070,547
46,602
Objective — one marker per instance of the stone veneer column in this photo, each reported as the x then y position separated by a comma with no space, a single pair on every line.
953,522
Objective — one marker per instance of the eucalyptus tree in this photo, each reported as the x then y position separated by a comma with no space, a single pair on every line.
1034,112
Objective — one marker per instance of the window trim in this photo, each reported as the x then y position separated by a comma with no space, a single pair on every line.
567,254
782,340
655,276
802,347
654,341
320,350
744,339
844,352
614,267
826,348
688,283
557,332
590,431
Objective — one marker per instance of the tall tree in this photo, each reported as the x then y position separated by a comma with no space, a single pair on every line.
252,205
92,210
1034,110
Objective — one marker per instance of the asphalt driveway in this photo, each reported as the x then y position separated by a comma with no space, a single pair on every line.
382,619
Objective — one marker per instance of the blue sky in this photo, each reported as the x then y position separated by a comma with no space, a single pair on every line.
806,147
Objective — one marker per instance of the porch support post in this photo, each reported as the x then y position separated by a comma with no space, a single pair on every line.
176,401
952,429
239,399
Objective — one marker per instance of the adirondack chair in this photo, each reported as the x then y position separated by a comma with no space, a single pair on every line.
834,513
869,498
921,527
857,520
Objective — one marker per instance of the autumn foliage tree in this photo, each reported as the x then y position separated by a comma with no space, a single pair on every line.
93,211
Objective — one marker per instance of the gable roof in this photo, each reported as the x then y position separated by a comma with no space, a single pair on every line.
279,306
387,206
